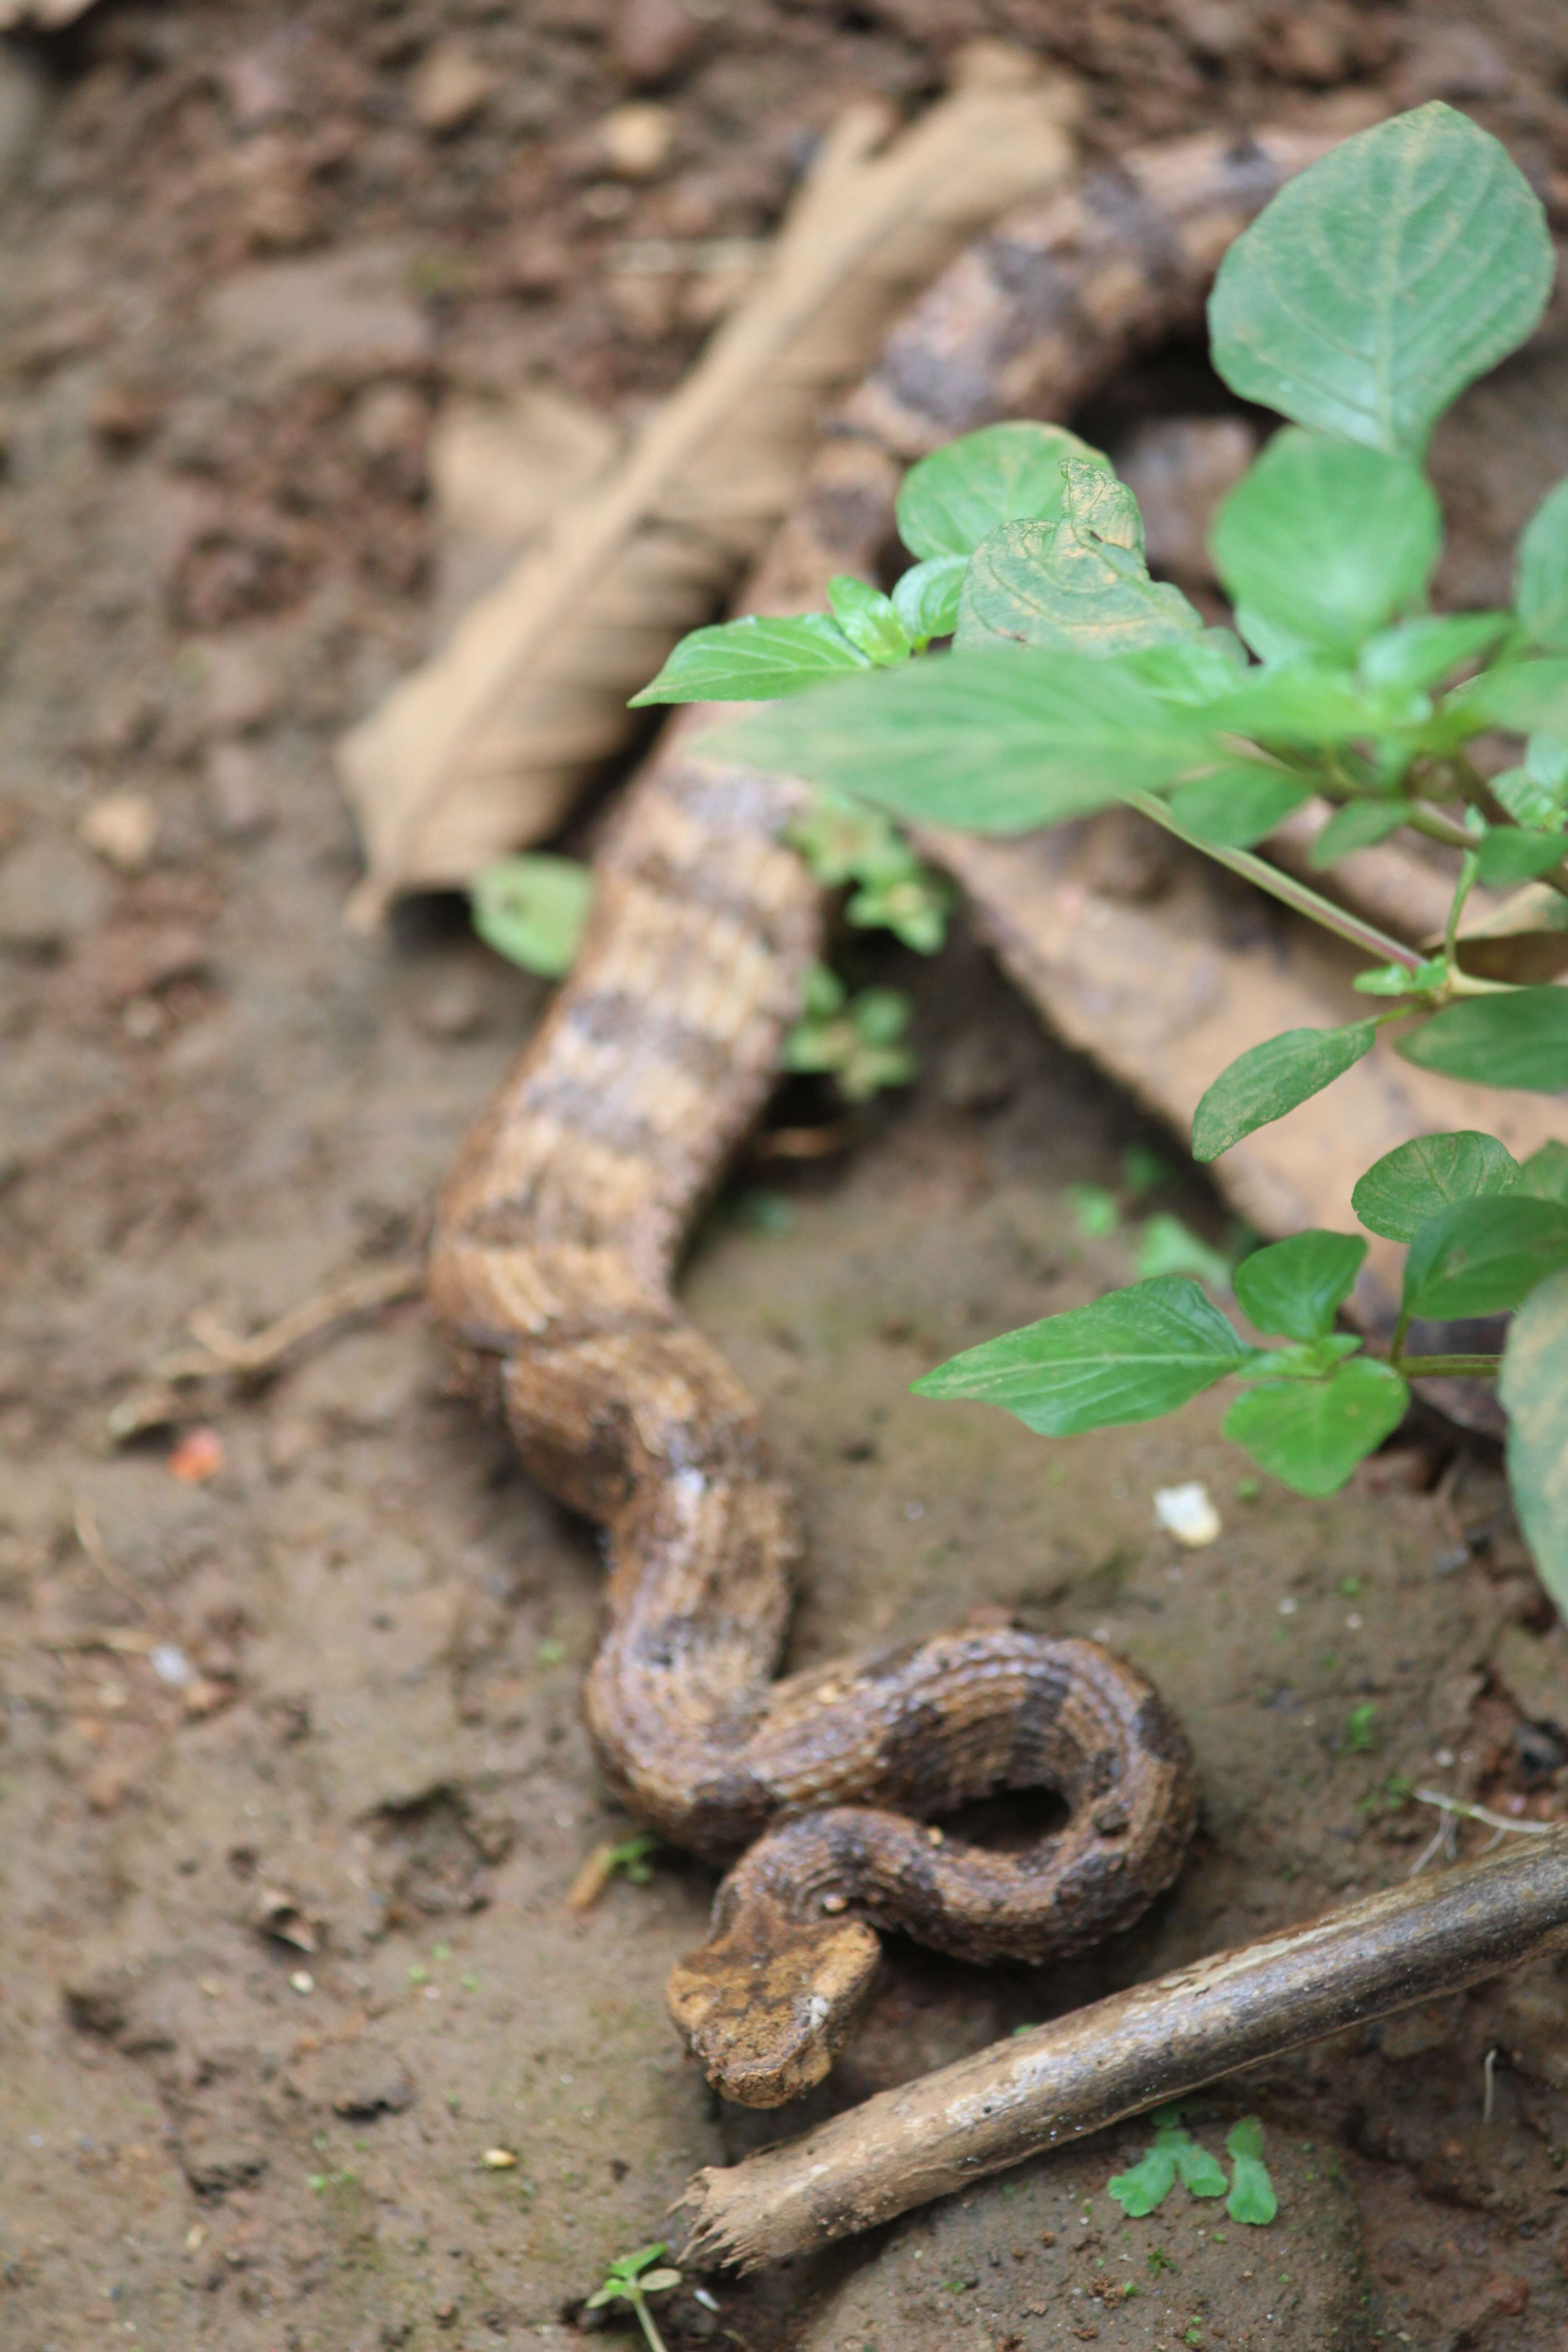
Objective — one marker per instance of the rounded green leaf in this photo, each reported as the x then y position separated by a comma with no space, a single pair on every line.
1327,539
1128,1357
1416,1181
753,660
1200,2174
1302,703
1533,1387
1271,1079
1420,653
1295,1286
1545,1174
925,598
996,741
868,619
1051,583
1540,595
533,909
1516,1040
1527,697
1309,1434
1252,2197
1146,2184
1482,1257
1005,473
1238,803
1381,281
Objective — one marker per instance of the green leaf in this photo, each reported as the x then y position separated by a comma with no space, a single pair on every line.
995,741
1536,794
1419,654
1357,825
1146,2184
1382,280
1309,1359
1541,592
753,660
532,910
1252,2198
1192,668
1544,1175
926,598
1200,2174
1312,1434
1416,1181
1395,979
1005,473
1270,641
1166,1246
1293,1287
1533,1387
1271,1079
1081,582
1327,539
1516,1040
1528,697
1507,856
1304,702
868,619
1482,1257
1233,805
1128,1357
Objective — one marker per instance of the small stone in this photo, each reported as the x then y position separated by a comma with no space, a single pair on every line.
223,2163
376,2086
449,88
302,1981
1188,1512
653,39
636,139
497,2159
123,829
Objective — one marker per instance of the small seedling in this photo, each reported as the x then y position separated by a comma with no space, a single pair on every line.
1360,1729
854,1040
1173,2156
632,1859
630,2279
1252,2197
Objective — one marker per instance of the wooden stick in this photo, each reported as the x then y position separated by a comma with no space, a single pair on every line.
1133,2052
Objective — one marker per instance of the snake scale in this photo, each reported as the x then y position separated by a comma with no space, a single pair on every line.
561,1230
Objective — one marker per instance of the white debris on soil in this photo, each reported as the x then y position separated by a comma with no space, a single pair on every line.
1188,1513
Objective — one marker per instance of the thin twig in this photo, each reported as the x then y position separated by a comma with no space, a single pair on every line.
1481,1814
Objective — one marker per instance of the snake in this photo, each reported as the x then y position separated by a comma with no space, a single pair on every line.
559,1237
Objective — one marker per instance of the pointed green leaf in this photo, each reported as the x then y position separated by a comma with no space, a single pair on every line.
1516,1040
1382,280
1536,792
995,741
1527,697
1541,593
753,660
533,909
868,619
1309,1434
1357,825
1303,702
1508,856
1192,668
1295,1286
1419,654
1128,1357
1233,805
1005,473
1533,1387
1271,1079
1327,539
1252,2198
926,597
1482,1257
1416,1181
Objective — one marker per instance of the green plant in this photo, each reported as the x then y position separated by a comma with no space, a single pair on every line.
1173,2155
533,909
633,1859
630,2279
853,1039
1363,299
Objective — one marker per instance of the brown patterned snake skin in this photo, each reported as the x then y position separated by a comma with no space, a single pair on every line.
561,1230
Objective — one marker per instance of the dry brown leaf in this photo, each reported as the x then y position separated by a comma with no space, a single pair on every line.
484,747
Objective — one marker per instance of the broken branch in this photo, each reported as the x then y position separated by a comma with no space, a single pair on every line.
1134,2050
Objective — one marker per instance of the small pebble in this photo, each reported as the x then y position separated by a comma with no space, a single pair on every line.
123,829
197,1457
172,1666
499,2159
449,88
302,1981
1188,1513
636,139
1290,1605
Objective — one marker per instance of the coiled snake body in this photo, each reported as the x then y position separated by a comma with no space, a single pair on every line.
561,1230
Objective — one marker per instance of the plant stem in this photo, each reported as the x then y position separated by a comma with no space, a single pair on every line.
1427,1367
1468,872
1285,887
645,2316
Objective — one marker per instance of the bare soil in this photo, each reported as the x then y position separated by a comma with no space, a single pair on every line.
292,1785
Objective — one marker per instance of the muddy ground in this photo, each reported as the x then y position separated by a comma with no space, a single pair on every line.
292,1781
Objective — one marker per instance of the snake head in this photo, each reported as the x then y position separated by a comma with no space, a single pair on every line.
770,2003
